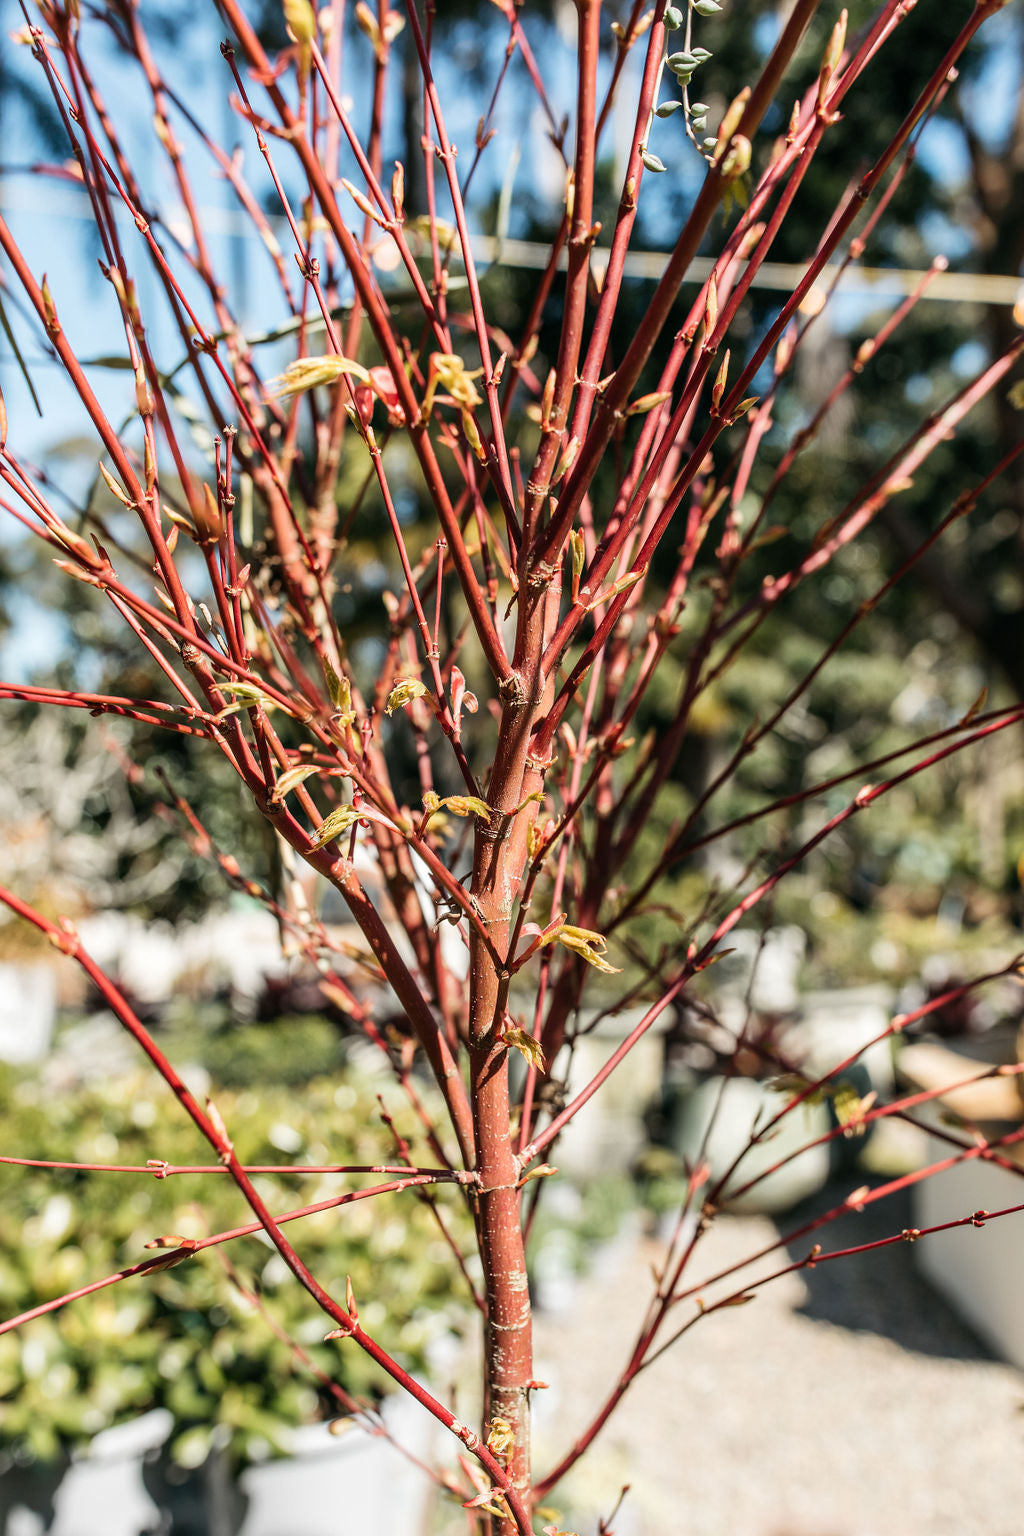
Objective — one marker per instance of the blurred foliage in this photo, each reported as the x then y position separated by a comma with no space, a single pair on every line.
919,662
186,1339
923,656
286,1052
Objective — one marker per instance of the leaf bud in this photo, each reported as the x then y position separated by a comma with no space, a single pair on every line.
547,399
733,117
718,389
737,158
711,308
113,487
207,516
300,20
143,398
472,435
49,309
567,459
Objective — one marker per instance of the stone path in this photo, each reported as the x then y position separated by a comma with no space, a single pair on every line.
846,1401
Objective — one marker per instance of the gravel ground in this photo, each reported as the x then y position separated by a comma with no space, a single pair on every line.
845,1401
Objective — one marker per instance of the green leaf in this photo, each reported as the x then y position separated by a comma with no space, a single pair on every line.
291,779
247,696
586,943
335,824
404,691
307,372
339,688
467,805
527,1047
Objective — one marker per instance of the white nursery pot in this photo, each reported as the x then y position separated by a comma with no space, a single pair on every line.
746,1104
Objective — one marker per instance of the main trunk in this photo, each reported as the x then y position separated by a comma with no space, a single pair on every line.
499,858
508,1344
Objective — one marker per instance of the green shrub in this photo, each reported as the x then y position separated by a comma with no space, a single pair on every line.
186,1339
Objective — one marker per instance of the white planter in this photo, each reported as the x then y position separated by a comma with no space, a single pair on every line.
977,1269
607,1135
834,1025
356,1484
100,1493
745,1104
28,1008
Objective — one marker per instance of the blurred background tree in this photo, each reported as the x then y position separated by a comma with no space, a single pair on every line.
957,627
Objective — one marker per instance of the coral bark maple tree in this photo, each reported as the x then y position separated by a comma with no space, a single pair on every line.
470,785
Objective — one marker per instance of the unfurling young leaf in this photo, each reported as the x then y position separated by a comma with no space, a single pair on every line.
737,158
335,687
585,943
301,20
527,1047
339,688
466,805
501,1437
448,372
246,696
308,372
291,779
850,1108
404,691
335,824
